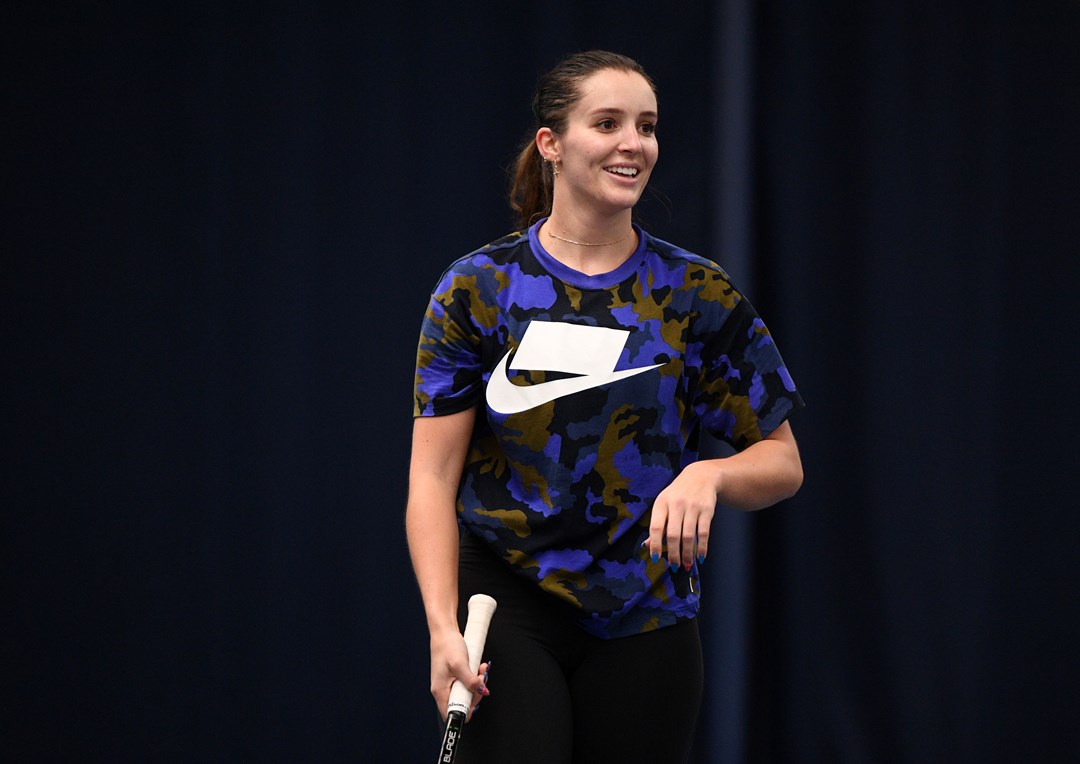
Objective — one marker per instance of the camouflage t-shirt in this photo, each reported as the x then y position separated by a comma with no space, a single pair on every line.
592,393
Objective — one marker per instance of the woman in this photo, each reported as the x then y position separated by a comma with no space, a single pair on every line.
563,375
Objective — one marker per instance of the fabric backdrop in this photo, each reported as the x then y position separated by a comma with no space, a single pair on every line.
221,229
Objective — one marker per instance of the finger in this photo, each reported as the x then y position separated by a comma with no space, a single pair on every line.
478,682
657,526
459,669
703,525
480,694
688,539
483,691
674,536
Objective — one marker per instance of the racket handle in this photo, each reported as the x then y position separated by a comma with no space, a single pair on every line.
481,608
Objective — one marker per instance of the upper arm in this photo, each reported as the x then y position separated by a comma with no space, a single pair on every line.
783,434
440,445
786,438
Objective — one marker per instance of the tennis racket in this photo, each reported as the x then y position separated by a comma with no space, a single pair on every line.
481,608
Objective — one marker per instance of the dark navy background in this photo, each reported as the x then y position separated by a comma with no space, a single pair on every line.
221,227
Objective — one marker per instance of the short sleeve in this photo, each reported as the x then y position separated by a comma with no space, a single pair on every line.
745,390
449,374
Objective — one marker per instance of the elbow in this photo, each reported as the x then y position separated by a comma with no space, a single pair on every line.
786,474
788,477
782,484
794,478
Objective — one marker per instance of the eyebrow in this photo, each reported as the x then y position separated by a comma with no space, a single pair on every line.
613,110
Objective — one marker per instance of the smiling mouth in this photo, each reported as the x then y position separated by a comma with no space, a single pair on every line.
626,172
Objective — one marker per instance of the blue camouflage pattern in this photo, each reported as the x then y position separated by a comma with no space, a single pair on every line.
563,465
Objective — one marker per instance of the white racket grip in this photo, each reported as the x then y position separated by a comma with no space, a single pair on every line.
481,608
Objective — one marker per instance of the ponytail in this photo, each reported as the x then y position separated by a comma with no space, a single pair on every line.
530,195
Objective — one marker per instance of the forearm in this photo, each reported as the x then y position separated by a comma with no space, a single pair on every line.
432,532
438,457
759,476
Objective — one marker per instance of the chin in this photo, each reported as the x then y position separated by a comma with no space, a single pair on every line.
625,202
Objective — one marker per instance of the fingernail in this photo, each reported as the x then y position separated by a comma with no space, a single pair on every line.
644,543
687,565
472,711
674,567
484,691
700,558
655,557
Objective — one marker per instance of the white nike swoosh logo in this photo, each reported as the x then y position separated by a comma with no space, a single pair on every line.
553,346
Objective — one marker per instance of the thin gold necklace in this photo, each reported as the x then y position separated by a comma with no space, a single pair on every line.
589,244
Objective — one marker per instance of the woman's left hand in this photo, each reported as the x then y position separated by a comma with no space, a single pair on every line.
758,476
682,515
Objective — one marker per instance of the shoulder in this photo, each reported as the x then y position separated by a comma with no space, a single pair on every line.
493,256
697,272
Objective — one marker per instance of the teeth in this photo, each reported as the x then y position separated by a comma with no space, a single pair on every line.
629,171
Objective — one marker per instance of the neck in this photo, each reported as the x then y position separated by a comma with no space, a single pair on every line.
589,250
623,238
584,231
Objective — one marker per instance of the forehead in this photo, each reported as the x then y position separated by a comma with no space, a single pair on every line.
618,90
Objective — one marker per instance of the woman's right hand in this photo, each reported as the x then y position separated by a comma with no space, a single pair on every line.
450,663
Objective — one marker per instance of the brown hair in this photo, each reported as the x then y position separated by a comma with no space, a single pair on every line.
556,94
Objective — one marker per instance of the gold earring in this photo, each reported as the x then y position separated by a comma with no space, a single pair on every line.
555,168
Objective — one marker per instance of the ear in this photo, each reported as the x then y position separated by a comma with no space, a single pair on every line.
547,144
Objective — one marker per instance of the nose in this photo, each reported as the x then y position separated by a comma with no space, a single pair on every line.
630,140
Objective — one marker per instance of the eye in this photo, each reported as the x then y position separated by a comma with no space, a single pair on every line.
606,124
648,128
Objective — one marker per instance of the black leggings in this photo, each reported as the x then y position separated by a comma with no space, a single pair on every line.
562,696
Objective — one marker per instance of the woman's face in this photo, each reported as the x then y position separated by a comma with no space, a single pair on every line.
608,148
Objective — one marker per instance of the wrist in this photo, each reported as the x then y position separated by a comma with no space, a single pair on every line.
709,471
443,624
